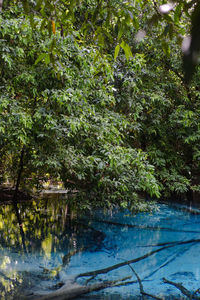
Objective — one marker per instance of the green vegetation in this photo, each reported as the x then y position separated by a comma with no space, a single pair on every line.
93,94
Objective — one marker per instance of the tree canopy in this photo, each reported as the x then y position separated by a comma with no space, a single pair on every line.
109,24
94,94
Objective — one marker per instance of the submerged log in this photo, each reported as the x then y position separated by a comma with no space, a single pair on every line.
71,290
128,262
74,290
145,227
140,283
183,290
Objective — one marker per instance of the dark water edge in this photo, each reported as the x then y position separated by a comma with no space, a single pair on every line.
56,236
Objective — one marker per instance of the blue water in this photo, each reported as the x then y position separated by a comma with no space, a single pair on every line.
61,245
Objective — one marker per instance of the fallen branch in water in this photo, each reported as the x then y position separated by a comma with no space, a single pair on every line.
170,259
140,283
158,244
142,292
152,296
76,290
197,291
181,288
73,290
144,226
128,262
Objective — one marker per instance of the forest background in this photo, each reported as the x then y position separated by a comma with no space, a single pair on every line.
100,96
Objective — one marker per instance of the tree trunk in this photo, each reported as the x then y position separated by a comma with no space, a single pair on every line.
21,165
1,5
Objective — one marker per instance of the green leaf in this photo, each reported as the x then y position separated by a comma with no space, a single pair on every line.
135,23
177,13
120,33
40,57
127,50
47,59
117,48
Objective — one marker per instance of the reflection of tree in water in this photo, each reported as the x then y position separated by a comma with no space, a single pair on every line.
44,223
100,279
54,234
49,228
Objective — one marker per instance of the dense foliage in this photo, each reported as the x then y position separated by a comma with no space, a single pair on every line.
111,129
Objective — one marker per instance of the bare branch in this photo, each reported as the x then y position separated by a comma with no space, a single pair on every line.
140,283
181,288
128,262
75,290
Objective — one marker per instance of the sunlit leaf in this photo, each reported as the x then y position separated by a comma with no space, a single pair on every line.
117,48
127,50
177,13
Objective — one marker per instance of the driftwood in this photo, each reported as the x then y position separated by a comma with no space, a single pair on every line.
152,296
183,290
140,283
74,290
71,290
170,259
128,262
142,292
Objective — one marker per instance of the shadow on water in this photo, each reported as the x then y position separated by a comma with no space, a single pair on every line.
44,244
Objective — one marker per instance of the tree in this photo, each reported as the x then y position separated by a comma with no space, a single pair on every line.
108,23
97,123
61,116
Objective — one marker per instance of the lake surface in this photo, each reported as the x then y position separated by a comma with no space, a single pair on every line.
59,244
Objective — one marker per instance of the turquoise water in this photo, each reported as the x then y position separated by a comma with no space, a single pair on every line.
60,244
